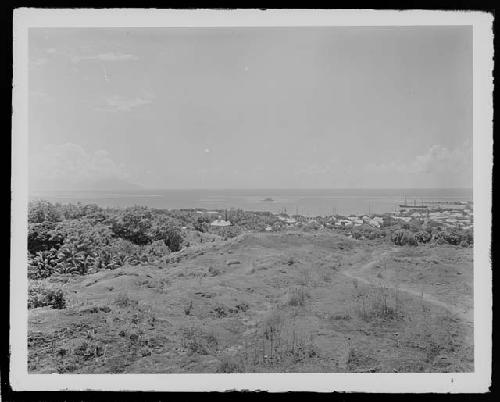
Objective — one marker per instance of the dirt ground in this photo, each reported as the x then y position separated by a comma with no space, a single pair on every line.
266,302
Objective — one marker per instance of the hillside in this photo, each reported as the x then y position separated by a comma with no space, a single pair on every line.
265,302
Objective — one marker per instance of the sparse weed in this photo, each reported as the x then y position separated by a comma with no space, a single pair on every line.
88,349
343,316
196,340
297,297
379,304
188,308
278,342
230,365
305,277
326,276
123,300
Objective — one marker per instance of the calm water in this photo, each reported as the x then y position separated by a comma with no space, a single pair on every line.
305,202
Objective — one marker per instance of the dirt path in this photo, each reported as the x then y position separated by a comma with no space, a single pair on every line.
356,274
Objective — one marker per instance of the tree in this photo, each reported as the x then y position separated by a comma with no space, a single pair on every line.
43,211
134,224
173,238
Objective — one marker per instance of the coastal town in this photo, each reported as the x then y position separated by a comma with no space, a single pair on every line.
444,214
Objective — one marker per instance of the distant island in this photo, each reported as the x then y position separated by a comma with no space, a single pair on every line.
268,199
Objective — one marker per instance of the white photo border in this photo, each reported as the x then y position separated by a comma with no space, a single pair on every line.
477,381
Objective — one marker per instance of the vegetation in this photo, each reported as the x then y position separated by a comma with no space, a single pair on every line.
367,232
80,239
296,302
455,237
39,295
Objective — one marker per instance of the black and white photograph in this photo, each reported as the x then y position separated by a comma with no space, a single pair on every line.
273,200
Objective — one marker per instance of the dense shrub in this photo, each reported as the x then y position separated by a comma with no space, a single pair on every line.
173,238
422,236
77,211
404,237
202,224
43,211
40,296
89,238
467,238
85,245
82,239
134,224
367,232
454,237
249,220
227,232
42,264
43,236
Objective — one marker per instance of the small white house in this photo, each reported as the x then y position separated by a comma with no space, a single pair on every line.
220,223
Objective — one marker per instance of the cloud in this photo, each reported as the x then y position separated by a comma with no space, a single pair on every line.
70,166
123,104
437,160
437,167
111,56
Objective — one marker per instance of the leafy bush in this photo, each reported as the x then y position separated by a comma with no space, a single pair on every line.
43,236
228,232
82,239
453,237
404,237
202,224
79,238
90,212
43,211
367,232
40,296
173,238
43,264
423,236
134,224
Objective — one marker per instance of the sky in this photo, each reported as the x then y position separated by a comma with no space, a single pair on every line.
304,107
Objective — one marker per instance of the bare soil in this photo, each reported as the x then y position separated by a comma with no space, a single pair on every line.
266,302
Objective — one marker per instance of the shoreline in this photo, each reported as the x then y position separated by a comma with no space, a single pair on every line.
301,202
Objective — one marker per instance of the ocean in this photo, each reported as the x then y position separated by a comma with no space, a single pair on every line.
305,202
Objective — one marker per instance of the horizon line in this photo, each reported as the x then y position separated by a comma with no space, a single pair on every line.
252,189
